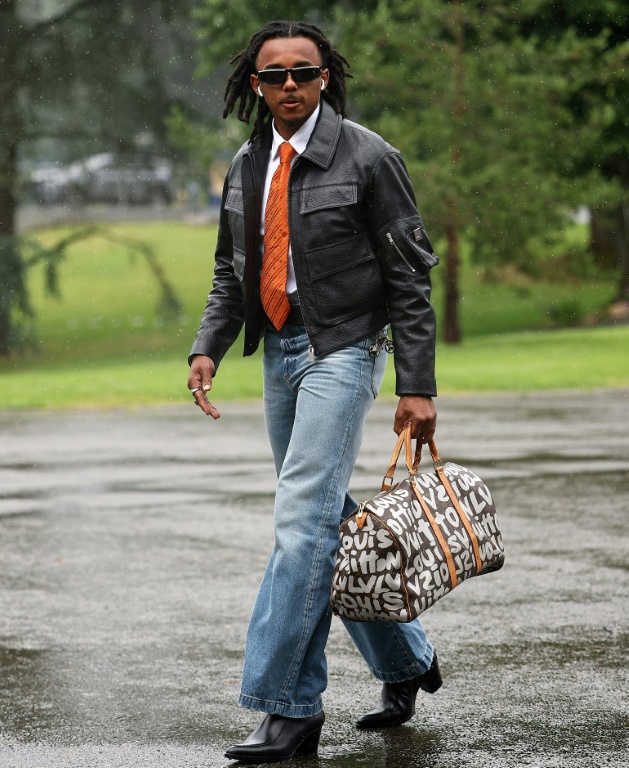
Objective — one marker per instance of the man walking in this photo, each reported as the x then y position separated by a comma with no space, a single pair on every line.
320,247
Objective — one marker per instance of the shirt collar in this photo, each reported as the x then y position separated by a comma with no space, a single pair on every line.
299,140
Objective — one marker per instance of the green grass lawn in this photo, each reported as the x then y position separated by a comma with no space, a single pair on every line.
101,344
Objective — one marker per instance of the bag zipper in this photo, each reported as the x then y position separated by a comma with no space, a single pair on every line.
394,244
361,514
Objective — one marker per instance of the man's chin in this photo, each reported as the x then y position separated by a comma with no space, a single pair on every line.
296,119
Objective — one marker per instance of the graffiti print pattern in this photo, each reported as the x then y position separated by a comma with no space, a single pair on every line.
397,556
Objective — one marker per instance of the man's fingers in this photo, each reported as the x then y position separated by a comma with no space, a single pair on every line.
205,405
424,431
200,383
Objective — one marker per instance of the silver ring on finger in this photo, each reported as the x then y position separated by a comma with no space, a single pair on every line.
196,389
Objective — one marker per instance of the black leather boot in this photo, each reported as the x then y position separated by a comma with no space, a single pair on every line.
279,738
397,703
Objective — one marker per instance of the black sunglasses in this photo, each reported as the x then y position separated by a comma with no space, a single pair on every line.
279,76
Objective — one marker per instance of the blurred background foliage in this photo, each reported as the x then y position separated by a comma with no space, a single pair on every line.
512,118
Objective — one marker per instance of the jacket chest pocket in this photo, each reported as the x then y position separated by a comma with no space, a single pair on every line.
238,264
328,197
234,205
329,213
234,201
342,267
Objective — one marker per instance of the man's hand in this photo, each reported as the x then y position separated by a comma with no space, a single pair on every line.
200,379
421,412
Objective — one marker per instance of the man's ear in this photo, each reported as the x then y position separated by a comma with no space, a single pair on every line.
255,84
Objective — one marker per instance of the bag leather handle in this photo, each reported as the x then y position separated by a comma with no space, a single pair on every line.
412,462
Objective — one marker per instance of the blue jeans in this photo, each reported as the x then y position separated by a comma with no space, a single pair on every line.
315,411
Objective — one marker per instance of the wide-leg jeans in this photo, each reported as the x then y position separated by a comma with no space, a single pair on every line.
315,410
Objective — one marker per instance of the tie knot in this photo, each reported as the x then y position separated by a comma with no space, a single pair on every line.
287,152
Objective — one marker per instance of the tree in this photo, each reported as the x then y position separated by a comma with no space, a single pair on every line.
597,98
478,115
87,70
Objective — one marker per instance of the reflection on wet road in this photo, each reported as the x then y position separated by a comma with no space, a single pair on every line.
132,543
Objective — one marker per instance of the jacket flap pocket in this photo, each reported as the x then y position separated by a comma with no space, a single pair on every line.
234,202
421,244
407,240
338,257
329,196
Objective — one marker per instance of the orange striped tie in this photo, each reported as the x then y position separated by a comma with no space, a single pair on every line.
276,241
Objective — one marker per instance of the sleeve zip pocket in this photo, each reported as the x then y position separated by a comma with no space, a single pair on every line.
394,244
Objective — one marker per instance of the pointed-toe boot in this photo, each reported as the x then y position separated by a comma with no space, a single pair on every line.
279,738
397,703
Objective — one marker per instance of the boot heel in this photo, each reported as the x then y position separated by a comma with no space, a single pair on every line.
310,744
432,681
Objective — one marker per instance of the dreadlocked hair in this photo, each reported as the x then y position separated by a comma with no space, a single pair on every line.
238,88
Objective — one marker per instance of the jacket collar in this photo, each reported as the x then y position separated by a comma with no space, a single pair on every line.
322,144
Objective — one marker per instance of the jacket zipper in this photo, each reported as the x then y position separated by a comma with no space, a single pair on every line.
394,244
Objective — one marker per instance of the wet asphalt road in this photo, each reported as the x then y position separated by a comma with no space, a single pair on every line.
132,543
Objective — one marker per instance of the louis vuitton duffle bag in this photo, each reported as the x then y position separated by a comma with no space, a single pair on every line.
415,541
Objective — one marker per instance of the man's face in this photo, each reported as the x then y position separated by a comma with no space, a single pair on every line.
292,103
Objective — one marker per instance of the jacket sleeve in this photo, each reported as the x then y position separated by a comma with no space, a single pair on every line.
224,313
405,256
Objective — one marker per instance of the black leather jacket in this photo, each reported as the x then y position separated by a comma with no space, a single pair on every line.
360,251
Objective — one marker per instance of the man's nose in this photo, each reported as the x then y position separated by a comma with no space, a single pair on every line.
289,83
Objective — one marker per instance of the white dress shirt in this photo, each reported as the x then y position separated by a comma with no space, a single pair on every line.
298,142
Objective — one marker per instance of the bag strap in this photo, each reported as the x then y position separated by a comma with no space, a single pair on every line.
412,462
438,535
443,478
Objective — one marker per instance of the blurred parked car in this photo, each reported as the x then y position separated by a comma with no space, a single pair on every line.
118,179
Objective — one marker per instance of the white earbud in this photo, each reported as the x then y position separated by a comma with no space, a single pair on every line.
322,85
259,91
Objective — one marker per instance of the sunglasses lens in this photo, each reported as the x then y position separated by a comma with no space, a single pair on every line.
272,76
278,76
305,74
